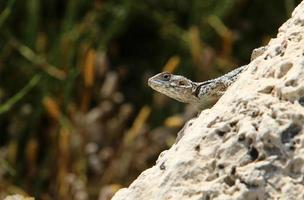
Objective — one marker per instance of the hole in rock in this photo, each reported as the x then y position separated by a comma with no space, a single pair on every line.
250,141
221,166
162,166
290,132
271,150
229,181
233,170
241,138
301,101
253,152
220,133
292,148
292,83
284,68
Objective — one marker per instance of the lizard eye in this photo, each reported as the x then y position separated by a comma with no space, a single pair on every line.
166,77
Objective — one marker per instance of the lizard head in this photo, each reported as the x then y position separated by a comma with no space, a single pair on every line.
174,86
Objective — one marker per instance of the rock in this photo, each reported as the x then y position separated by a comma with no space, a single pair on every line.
18,197
250,144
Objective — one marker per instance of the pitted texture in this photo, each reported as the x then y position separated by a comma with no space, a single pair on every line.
250,145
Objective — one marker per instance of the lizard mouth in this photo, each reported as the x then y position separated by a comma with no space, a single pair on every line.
154,83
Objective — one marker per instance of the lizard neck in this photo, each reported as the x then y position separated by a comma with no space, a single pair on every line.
206,93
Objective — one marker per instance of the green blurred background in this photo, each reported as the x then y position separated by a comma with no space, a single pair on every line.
77,120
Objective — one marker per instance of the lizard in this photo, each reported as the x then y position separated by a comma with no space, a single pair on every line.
201,94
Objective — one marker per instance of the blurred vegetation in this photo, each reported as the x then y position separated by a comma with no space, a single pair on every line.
77,119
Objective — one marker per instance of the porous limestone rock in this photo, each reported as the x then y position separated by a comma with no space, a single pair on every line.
18,197
250,144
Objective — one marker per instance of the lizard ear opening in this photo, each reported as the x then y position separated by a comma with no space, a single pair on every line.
195,90
181,82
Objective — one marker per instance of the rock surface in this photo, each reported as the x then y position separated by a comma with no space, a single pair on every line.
250,145
18,197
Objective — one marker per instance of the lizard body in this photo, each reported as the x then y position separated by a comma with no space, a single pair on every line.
201,94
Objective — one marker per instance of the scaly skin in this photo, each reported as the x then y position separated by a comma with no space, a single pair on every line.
201,94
